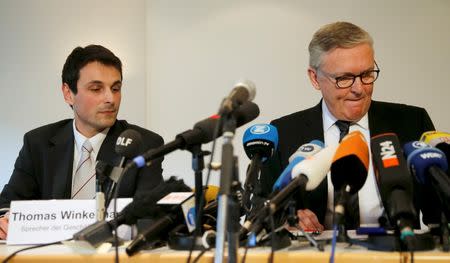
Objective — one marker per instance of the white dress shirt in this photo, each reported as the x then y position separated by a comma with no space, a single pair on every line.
96,142
370,205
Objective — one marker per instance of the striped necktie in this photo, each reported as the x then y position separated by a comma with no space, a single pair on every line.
83,186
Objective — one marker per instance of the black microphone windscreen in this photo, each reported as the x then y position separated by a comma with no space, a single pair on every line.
129,144
103,170
348,170
390,165
247,112
395,182
144,205
350,163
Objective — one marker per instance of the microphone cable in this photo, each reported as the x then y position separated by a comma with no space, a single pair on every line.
272,240
333,243
115,226
8,258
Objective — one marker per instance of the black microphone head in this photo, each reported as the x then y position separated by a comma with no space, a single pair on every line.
144,205
129,144
247,112
350,163
394,181
103,170
390,166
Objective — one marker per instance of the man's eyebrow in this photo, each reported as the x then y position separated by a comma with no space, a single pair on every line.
102,83
95,82
117,82
337,75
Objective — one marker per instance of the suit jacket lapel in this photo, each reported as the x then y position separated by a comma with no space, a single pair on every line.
377,122
314,130
314,123
60,165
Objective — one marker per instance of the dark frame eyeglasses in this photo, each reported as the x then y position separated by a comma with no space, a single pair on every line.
346,81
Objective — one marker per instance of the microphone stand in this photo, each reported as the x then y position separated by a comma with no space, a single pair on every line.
444,233
226,179
339,215
234,208
253,171
193,241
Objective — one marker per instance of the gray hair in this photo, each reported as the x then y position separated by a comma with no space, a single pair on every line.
335,35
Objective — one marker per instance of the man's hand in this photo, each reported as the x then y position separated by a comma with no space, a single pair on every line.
4,220
308,221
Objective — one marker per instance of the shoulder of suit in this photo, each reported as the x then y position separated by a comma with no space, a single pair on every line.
394,107
144,132
49,129
298,116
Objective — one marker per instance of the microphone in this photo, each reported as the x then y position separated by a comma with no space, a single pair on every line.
349,171
143,205
242,92
394,181
303,152
203,132
128,145
429,166
179,211
260,142
440,140
306,175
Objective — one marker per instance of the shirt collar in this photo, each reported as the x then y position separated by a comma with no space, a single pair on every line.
96,140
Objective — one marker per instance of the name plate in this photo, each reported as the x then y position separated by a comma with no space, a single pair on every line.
46,221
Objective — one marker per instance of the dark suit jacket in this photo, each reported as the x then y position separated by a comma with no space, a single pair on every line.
408,122
44,167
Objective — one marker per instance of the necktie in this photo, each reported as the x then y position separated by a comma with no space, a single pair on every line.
344,127
352,206
83,186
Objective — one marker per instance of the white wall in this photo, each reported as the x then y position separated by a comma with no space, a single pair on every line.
198,49
37,36
182,57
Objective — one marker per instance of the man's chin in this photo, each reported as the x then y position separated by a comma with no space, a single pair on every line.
106,123
355,116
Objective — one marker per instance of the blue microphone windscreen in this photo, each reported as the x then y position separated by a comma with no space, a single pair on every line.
420,160
409,147
265,132
286,176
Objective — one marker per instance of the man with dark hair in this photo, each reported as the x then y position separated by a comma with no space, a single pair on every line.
57,161
342,67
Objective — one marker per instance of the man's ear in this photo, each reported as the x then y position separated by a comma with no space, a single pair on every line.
68,94
312,74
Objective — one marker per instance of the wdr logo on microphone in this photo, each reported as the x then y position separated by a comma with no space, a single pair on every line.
388,155
260,129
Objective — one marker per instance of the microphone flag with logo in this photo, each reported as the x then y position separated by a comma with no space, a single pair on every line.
394,181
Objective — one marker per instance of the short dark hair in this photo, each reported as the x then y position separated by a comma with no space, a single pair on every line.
80,57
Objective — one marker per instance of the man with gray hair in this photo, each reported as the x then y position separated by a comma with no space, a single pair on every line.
342,67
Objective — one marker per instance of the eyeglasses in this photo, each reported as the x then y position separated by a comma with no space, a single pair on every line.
346,81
